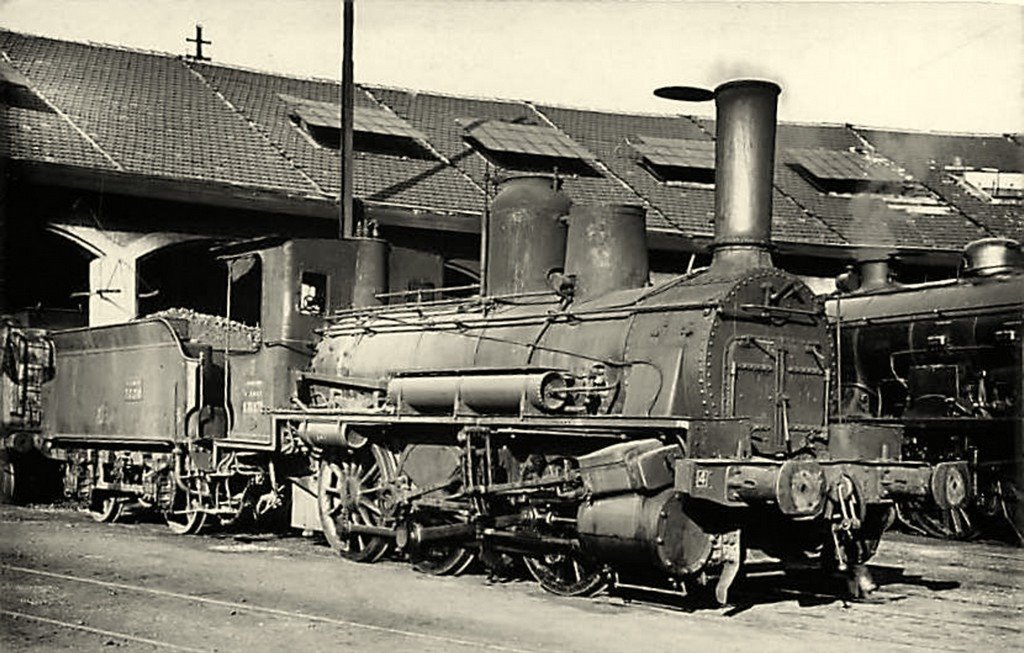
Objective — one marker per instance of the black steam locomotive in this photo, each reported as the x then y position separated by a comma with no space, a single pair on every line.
572,416
599,428
170,412
26,365
944,359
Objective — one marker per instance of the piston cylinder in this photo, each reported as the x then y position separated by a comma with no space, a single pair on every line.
637,531
525,235
606,249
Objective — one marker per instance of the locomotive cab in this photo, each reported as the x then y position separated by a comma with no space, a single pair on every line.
283,290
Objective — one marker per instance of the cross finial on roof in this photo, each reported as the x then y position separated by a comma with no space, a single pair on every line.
198,40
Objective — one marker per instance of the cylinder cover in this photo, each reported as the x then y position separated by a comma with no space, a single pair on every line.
633,530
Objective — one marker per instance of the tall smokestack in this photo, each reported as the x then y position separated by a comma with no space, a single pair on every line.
744,168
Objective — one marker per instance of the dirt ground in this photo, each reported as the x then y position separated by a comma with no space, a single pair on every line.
67,582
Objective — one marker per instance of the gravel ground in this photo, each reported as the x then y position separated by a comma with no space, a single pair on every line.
67,582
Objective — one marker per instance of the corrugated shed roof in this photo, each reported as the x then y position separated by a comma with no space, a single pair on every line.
402,181
840,166
364,119
442,118
46,137
862,220
676,152
534,140
927,157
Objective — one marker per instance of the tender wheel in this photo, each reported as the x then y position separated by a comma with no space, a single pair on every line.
353,489
105,507
567,574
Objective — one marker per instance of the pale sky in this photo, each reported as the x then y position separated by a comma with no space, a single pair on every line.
931,66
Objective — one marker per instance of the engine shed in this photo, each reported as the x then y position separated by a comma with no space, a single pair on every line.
120,169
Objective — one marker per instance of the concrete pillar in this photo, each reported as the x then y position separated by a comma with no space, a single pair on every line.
113,279
113,295
4,201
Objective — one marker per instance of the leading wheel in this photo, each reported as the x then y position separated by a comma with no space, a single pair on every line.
442,559
352,490
567,574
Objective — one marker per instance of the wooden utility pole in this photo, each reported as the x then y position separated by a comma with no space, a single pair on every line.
347,226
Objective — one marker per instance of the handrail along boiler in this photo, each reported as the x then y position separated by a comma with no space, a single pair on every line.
600,428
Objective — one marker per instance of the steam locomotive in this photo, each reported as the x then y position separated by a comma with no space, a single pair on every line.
572,417
944,358
169,413
598,428
26,364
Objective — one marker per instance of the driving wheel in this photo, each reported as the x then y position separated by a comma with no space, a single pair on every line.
353,490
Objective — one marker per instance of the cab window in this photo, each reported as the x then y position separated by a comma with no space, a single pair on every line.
313,294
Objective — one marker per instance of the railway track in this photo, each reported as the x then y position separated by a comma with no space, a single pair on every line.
142,588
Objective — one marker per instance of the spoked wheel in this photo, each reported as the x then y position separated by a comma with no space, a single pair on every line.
567,574
105,507
944,523
442,560
352,489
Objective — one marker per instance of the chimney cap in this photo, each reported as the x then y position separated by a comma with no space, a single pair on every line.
698,94
684,93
